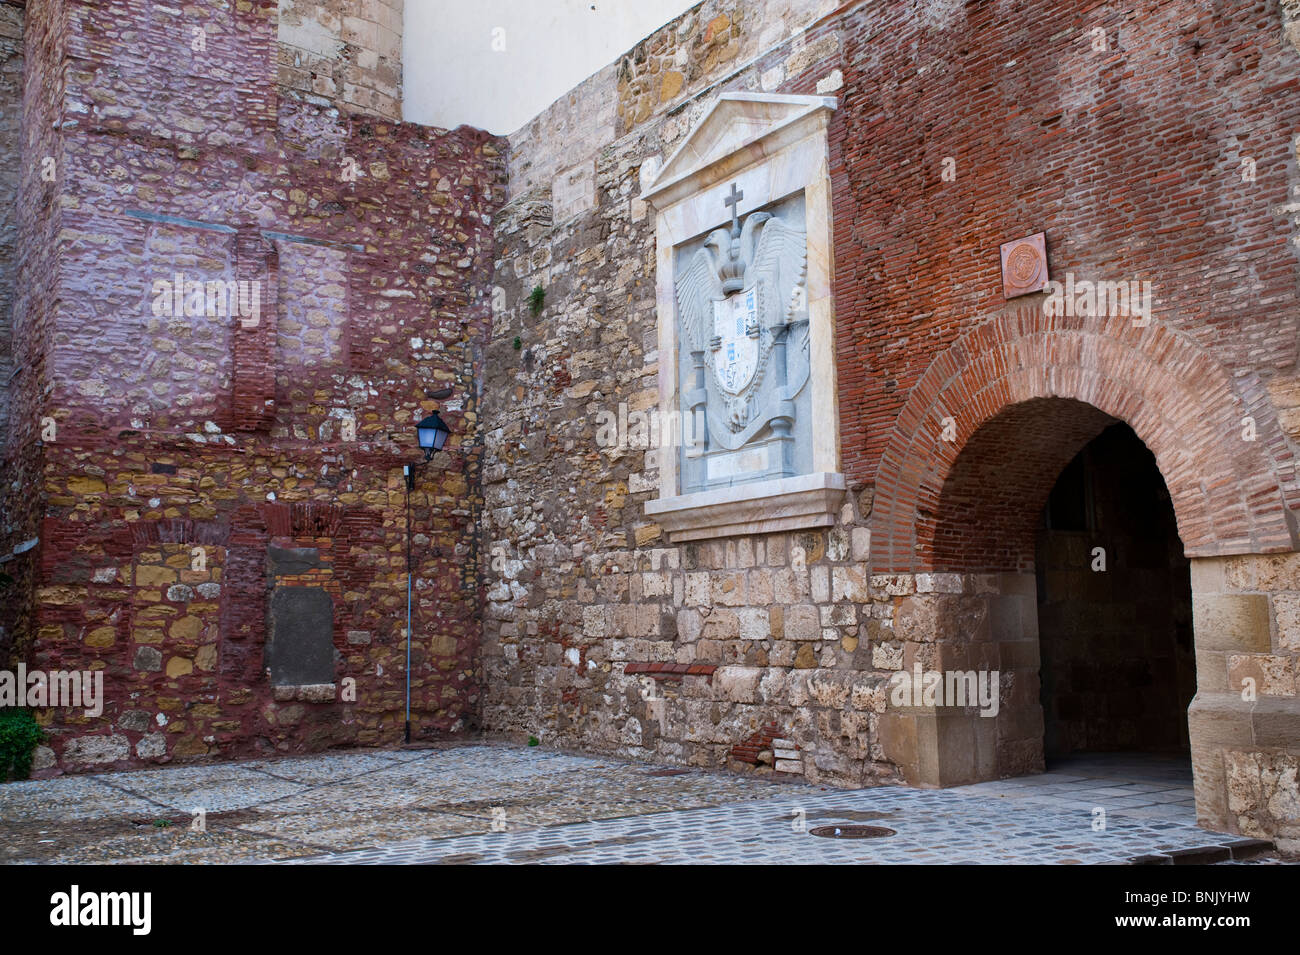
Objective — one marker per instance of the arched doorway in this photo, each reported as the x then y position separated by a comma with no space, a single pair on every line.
963,479
1118,666
1058,572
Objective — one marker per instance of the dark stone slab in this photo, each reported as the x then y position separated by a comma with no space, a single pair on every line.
300,636
292,560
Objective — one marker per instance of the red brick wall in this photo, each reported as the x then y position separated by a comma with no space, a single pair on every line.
175,432
1131,160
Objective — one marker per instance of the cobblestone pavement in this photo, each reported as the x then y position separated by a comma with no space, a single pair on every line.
501,803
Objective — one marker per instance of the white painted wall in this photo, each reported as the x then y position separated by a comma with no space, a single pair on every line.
496,64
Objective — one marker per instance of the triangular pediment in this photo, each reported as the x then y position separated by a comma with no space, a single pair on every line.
734,126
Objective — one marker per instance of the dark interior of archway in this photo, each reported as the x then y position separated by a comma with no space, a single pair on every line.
988,508
1118,666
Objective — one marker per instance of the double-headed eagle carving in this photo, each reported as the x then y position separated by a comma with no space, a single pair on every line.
746,282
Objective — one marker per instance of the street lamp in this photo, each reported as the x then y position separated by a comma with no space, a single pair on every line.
432,434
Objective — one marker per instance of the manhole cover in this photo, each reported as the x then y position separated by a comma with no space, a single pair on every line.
851,832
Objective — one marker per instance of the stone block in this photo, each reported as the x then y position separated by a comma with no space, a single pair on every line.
802,622
1286,611
1212,672
887,656
753,624
1221,721
1271,675
300,641
146,576
737,684
96,750
850,583
153,746
1232,622
1276,571
819,580
292,560
1275,722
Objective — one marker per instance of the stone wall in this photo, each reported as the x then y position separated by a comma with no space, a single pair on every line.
39,220
189,444
14,523
344,53
1244,722
599,634
659,83
11,115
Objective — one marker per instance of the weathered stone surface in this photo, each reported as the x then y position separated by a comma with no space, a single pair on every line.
153,746
1232,621
95,750
185,447
148,658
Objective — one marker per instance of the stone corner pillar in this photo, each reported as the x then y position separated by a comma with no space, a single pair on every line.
1244,723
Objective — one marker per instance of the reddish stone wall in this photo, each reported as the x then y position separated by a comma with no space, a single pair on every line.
371,245
11,115
39,219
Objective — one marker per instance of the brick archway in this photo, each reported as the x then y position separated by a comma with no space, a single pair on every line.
1024,392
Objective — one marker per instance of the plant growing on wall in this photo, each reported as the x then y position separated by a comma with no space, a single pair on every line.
19,736
536,299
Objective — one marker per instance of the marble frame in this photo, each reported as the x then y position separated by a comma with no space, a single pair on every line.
772,146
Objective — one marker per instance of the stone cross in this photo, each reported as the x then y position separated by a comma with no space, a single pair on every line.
733,200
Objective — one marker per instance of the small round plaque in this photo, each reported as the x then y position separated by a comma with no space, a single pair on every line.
1024,265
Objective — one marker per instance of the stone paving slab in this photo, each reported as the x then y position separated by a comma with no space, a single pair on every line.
68,799
337,801
325,767
444,805
233,788
931,827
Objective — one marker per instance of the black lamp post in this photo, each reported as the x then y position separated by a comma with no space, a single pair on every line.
432,433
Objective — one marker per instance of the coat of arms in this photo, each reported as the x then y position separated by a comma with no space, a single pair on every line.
736,297
735,327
